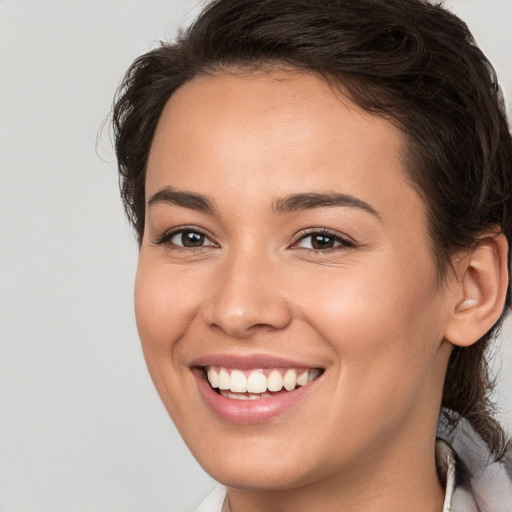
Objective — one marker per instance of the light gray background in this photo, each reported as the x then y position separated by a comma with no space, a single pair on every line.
81,428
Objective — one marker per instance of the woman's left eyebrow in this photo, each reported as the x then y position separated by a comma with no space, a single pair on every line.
305,201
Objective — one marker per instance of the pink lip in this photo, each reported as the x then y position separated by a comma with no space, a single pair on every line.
248,362
249,412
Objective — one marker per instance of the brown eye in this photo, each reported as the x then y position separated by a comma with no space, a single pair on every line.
322,241
190,239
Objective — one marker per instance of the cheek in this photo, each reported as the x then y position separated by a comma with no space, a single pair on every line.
383,325
163,306
162,309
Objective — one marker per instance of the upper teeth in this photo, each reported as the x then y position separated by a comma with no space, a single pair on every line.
259,381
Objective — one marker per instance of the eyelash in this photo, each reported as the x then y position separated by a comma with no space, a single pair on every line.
340,241
165,238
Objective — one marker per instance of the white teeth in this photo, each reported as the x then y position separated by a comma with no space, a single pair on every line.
213,377
238,382
257,382
275,381
302,379
290,380
245,396
237,385
313,374
233,396
224,380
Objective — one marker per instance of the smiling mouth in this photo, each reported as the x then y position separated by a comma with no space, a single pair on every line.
258,383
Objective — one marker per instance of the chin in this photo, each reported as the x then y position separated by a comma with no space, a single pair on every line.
264,475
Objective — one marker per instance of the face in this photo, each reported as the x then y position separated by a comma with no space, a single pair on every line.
286,294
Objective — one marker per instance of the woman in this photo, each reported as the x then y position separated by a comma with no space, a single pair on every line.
322,197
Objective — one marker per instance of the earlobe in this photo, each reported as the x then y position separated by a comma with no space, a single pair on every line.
479,294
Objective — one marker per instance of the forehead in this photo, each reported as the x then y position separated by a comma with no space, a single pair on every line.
286,103
274,133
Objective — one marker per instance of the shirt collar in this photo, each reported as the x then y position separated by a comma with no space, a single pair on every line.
446,468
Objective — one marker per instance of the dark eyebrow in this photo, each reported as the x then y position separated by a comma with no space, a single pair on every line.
296,202
184,199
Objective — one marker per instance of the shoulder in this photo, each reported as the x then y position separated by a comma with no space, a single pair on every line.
474,480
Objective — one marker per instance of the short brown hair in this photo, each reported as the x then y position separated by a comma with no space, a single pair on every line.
409,61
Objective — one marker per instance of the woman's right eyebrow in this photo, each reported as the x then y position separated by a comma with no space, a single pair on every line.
191,200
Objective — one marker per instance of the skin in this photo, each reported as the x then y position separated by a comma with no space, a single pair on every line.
371,313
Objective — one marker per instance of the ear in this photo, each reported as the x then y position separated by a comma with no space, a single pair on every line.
478,291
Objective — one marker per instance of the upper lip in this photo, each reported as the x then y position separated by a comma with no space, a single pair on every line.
250,362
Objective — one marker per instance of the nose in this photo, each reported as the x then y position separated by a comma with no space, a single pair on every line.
248,298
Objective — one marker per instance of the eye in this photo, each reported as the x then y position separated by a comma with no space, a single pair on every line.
322,240
187,238
190,239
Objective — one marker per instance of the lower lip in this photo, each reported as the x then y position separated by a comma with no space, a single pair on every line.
248,412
